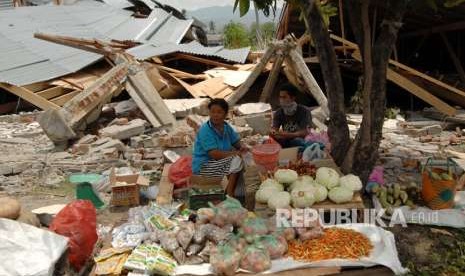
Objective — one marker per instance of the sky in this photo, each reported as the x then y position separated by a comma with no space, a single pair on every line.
198,4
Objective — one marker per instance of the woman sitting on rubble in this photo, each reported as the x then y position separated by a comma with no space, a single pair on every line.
217,147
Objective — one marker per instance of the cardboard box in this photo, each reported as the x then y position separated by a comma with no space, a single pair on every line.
127,194
203,182
288,154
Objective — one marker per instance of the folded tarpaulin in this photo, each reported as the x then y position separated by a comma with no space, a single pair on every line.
27,250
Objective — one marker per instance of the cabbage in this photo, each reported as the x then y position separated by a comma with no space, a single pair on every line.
280,200
327,177
300,184
271,183
340,195
262,195
351,182
307,179
302,197
286,176
320,192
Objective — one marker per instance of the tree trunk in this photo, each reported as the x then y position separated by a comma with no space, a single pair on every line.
364,155
338,129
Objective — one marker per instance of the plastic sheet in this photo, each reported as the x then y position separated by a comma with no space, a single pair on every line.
384,253
28,250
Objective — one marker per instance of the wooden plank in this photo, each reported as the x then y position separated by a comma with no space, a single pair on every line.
453,56
189,88
207,61
272,78
415,89
420,92
29,96
63,99
240,92
410,70
437,29
148,99
181,73
51,92
38,86
165,187
211,87
309,81
83,44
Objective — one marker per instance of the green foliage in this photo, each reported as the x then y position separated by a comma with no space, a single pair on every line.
453,3
267,30
235,36
266,6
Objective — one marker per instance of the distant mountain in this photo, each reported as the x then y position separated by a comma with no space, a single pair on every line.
221,15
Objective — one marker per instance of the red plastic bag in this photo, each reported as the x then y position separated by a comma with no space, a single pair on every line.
77,221
180,171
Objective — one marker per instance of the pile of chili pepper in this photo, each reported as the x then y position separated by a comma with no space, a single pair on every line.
336,243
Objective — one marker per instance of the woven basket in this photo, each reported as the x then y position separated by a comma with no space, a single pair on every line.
438,194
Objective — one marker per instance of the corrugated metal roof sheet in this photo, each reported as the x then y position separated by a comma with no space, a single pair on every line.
25,60
120,4
145,51
6,4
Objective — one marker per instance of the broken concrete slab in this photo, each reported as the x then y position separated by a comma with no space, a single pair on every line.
143,141
110,143
88,139
252,108
122,132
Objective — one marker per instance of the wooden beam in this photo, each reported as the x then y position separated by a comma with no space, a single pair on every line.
410,70
63,99
310,83
453,56
272,78
29,96
207,61
51,92
72,42
240,92
181,74
415,89
37,86
460,25
420,92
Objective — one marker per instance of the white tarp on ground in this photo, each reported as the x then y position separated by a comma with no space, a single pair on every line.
27,250
422,215
384,253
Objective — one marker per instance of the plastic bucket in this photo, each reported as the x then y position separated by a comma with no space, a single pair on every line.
266,155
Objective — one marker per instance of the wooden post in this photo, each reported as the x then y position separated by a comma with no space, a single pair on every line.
310,82
272,78
240,92
453,56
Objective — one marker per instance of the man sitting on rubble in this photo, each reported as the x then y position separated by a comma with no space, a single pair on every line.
218,148
292,120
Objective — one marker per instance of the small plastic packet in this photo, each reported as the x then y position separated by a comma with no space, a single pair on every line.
168,241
